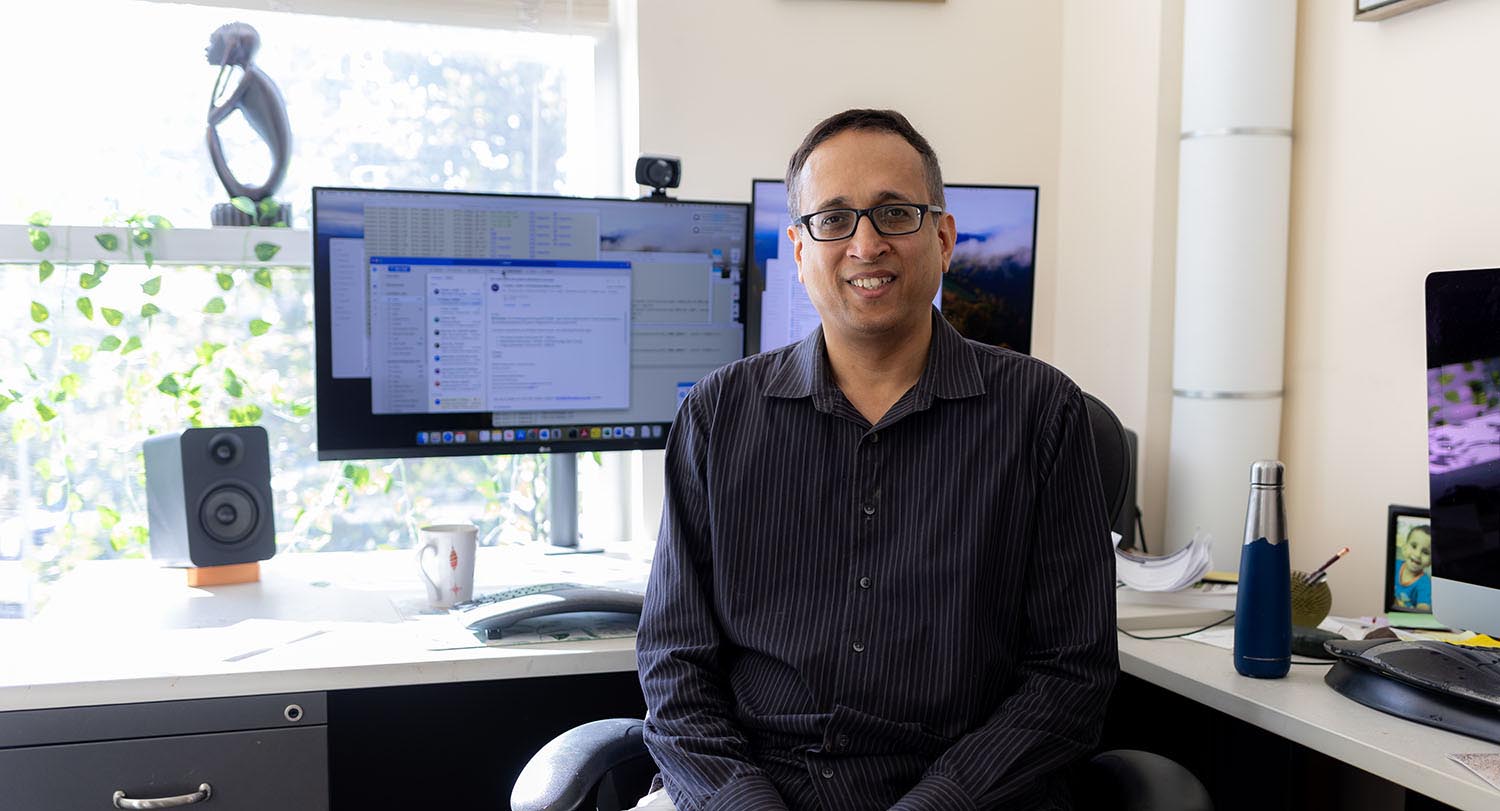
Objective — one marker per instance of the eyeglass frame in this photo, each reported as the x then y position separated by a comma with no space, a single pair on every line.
923,209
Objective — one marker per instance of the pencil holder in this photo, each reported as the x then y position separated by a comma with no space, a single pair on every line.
1310,604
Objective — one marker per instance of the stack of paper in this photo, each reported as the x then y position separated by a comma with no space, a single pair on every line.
1171,572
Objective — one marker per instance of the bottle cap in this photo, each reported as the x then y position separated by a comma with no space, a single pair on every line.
1268,473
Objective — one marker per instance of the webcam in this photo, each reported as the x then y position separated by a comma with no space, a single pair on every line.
660,172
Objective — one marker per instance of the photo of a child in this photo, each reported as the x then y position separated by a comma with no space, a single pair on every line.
1408,570
1413,583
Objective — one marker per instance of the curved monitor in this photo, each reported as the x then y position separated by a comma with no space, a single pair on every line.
1463,455
986,294
453,323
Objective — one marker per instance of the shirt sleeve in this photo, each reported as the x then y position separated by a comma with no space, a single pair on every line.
690,726
1056,711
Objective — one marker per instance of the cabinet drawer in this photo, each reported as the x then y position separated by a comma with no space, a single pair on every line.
259,770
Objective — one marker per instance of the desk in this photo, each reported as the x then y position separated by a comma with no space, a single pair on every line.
407,699
126,632
1302,709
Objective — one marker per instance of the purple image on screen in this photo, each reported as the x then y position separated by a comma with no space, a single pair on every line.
1463,415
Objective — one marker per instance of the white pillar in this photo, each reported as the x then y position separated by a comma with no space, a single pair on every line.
1233,197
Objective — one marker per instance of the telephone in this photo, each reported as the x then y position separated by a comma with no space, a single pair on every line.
489,615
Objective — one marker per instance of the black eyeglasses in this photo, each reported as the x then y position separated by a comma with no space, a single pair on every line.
890,220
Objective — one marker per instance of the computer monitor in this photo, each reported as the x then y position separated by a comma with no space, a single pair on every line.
986,293
453,323
1463,446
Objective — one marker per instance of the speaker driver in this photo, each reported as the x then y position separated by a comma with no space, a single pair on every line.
228,514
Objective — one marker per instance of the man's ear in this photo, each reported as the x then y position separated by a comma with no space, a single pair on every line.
947,237
795,235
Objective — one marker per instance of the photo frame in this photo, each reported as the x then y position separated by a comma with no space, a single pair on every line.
1372,10
1408,560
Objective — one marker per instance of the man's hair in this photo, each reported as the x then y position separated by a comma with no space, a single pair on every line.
868,120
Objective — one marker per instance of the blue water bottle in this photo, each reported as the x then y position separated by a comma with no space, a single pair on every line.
1263,606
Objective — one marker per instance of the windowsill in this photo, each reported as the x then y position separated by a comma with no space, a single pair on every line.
77,244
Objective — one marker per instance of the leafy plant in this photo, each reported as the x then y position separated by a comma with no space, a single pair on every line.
267,213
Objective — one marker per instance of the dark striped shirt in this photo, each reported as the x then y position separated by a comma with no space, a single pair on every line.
917,614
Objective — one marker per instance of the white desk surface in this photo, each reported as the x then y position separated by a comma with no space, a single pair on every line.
1303,709
129,631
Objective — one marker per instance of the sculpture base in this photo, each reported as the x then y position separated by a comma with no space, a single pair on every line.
226,214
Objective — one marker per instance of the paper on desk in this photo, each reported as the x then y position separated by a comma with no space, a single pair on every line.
1220,637
1223,636
1171,572
250,638
1484,764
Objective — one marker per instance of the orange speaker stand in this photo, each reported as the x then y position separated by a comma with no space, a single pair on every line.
224,575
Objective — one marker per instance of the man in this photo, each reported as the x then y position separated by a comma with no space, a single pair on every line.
884,577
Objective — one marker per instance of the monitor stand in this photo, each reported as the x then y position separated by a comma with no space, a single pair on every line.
562,495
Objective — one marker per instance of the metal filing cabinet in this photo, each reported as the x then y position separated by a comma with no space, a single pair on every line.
220,754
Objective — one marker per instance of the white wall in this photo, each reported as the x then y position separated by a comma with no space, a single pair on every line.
1116,198
1394,175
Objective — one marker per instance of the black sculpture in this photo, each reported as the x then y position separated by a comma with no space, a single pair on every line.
256,97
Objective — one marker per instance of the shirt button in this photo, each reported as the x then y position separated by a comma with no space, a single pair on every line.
874,439
827,773
859,647
842,741
864,582
869,509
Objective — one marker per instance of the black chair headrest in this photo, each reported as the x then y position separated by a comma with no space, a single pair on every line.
1112,448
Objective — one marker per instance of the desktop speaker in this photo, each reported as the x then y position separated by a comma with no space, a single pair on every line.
208,496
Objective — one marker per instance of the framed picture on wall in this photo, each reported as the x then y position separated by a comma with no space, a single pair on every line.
1370,10
1408,560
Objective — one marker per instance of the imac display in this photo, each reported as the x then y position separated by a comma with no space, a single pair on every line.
453,323
1463,452
986,293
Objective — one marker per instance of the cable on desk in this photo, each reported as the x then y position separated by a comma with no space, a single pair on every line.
1176,636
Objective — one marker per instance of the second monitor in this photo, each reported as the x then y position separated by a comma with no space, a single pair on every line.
986,294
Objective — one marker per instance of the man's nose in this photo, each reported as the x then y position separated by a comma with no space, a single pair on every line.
866,242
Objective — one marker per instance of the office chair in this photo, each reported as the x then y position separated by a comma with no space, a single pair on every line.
604,765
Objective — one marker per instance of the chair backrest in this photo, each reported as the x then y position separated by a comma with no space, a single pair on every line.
1112,448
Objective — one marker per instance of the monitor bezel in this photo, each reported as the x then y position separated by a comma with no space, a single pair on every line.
1458,603
327,388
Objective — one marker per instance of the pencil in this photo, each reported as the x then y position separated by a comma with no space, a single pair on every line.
1324,567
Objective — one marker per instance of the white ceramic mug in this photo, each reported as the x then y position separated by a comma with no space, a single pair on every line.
453,546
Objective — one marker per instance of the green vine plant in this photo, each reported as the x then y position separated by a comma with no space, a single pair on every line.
94,337
267,212
110,357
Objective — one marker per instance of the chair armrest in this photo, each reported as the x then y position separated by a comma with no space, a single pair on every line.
1142,781
561,774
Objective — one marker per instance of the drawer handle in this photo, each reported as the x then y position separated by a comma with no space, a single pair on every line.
200,796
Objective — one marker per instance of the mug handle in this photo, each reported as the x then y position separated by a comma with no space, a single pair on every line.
434,594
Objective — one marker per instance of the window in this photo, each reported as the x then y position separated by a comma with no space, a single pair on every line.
114,109
112,121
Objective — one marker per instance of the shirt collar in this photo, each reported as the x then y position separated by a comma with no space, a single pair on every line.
951,372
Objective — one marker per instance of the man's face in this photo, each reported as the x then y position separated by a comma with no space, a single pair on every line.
869,285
